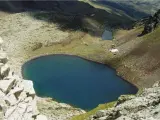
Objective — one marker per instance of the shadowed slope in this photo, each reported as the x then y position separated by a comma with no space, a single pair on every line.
70,15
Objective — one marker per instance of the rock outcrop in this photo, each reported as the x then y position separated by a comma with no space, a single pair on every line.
144,106
151,23
17,96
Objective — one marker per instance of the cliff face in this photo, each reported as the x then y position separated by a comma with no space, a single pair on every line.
17,96
144,106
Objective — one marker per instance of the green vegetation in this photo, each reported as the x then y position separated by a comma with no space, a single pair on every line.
153,37
92,112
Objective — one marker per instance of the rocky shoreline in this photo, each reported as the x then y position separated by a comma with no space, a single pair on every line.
143,106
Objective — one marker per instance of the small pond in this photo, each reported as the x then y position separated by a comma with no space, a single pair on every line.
107,35
76,81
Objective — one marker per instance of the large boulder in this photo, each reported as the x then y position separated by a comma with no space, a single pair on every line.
16,91
41,117
6,85
4,70
10,99
3,57
28,87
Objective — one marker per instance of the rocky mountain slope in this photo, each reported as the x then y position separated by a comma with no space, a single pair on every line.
17,96
151,23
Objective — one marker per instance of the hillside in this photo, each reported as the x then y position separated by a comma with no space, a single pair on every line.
75,28
137,62
140,57
31,34
133,8
146,6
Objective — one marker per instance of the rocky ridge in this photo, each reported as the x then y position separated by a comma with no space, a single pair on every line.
17,96
151,23
144,106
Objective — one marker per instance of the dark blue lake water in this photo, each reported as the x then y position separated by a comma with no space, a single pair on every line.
107,35
75,81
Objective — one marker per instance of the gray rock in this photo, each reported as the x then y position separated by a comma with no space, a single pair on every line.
17,96
151,23
16,91
2,95
124,98
3,106
10,99
3,57
28,87
6,85
10,111
41,117
63,105
101,113
124,118
4,71
144,106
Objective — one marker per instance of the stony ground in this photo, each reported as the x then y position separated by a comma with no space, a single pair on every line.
57,111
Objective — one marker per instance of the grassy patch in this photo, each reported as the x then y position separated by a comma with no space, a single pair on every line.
92,112
153,37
